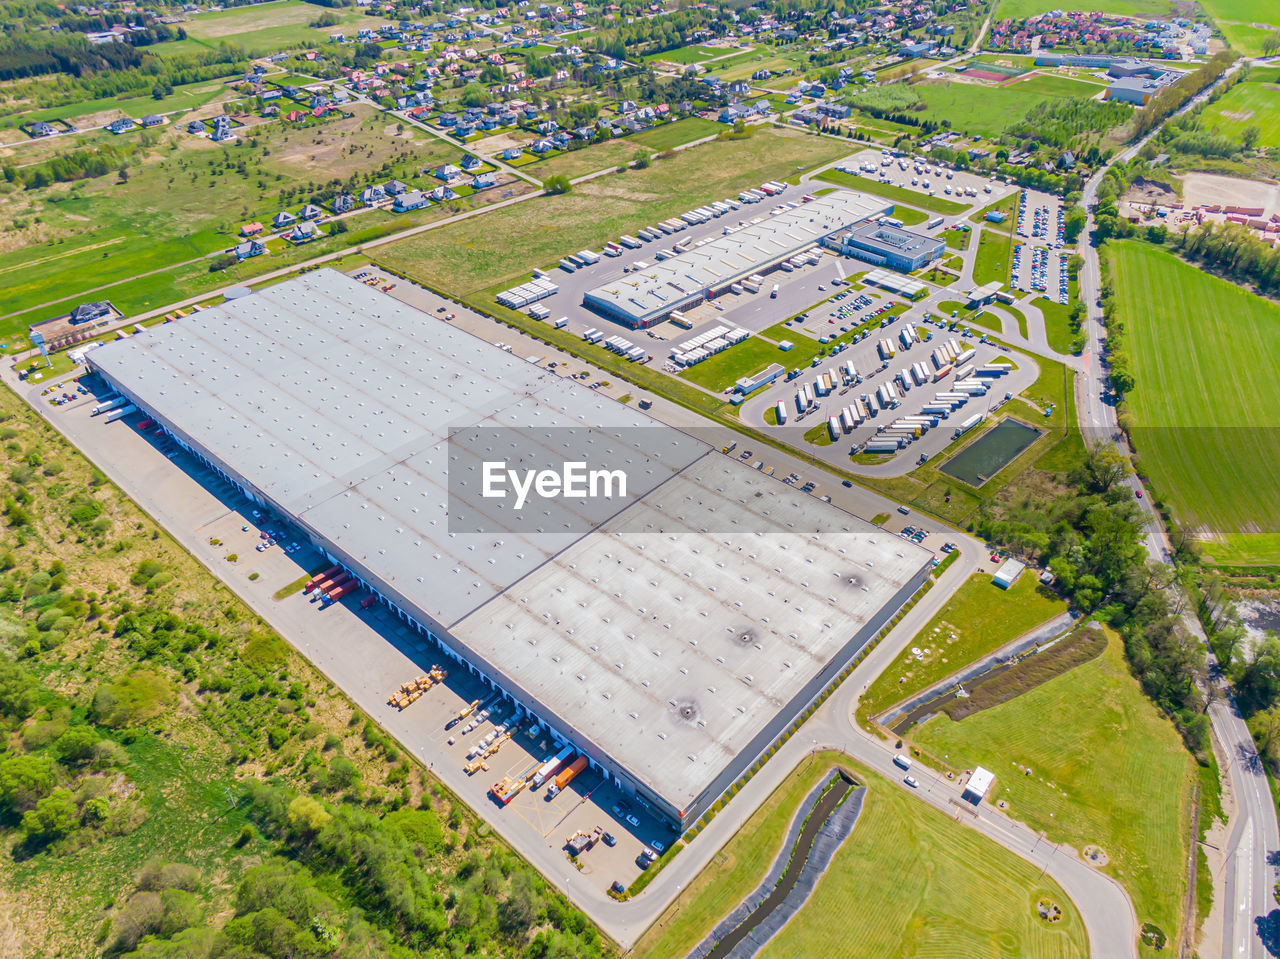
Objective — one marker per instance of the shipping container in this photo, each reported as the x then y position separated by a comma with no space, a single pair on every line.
551,766
321,578
106,406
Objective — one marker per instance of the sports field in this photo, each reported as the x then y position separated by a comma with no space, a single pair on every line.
1206,405
1248,104
693,54
990,110
908,881
1105,768
979,619
484,251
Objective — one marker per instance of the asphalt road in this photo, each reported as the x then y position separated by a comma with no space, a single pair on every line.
1251,918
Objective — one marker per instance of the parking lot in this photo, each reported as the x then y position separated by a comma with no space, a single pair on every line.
929,178
1039,257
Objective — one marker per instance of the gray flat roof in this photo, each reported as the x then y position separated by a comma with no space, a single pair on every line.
709,589
726,259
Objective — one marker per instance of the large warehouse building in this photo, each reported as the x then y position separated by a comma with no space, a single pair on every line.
643,298
670,636
886,245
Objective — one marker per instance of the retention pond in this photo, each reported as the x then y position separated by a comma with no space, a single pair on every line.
992,452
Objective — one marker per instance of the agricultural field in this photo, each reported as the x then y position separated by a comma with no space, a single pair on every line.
1236,19
1251,103
982,617
487,251
990,110
1205,356
907,881
266,27
1087,758
186,198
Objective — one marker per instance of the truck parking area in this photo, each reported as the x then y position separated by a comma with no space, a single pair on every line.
928,178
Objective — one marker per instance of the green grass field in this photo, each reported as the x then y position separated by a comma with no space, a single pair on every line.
721,371
890,192
990,110
1019,9
185,97
994,258
907,882
1106,768
1244,105
1206,358
265,27
1236,19
588,159
982,616
485,251
687,55
674,134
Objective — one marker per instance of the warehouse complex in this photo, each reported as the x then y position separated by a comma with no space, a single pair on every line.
670,638
649,295
886,245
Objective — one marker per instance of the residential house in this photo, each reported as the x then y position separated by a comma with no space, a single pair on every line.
251,229
222,127
123,125
250,248
372,195
152,120
195,127
512,153
42,129
90,312
311,212
395,188
283,218
344,203
446,172
413,200
470,163
303,232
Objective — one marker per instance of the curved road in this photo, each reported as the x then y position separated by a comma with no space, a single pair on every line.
1250,917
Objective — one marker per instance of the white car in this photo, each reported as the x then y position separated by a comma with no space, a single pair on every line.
911,781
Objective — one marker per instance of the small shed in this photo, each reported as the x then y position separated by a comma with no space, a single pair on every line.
1008,573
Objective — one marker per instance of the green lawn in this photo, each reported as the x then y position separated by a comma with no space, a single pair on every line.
957,239
1236,19
1008,206
890,192
1057,326
1206,358
185,97
907,881
1106,768
982,617
674,134
1248,104
485,251
994,258
990,110
721,371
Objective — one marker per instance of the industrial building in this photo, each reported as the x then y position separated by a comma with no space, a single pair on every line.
885,245
647,296
670,638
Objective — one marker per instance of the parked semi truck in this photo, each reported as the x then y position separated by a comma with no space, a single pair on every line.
551,766
332,583
322,577
346,589
121,413
106,406
566,776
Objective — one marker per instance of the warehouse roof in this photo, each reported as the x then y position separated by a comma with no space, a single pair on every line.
669,631
724,260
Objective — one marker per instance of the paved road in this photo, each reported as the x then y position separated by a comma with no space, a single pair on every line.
1249,877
